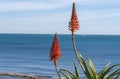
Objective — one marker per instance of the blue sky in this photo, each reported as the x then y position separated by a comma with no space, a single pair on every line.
50,16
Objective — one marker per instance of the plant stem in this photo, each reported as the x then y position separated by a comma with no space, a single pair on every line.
57,71
79,56
74,46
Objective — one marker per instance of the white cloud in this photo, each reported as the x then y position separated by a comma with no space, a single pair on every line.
108,2
52,4
92,15
43,19
21,6
38,5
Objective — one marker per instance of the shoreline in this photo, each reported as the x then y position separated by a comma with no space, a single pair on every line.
21,75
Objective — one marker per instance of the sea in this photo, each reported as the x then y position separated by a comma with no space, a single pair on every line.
30,53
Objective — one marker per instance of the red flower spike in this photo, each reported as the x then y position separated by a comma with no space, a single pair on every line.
73,24
55,52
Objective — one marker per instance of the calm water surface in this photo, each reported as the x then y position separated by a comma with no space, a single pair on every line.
29,53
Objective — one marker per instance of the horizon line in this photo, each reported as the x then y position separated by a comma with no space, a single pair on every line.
58,34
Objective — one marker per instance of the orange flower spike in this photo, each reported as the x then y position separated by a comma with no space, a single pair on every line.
55,52
74,24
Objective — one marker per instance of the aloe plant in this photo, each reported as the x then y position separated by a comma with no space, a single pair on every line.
69,75
87,66
108,72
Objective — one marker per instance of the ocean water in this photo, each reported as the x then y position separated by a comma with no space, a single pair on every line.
29,53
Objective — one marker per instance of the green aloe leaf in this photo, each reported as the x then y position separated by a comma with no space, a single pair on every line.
93,70
102,74
67,74
76,71
113,74
85,67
